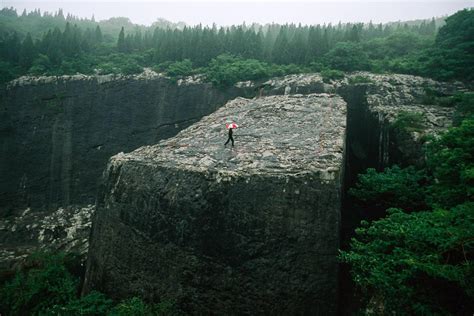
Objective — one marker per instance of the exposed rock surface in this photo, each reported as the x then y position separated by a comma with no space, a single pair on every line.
57,133
246,230
65,229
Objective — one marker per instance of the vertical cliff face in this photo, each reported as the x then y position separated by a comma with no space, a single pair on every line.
213,228
56,134
246,230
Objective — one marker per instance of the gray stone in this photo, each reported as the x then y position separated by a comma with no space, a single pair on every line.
228,230
57,133
65,229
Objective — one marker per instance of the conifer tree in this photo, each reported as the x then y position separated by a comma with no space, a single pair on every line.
27,52
121,41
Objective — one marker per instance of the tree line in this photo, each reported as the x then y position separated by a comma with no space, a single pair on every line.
87,49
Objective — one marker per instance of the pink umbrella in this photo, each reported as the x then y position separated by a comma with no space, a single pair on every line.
231,125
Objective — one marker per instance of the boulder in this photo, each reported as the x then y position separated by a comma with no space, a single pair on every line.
250,229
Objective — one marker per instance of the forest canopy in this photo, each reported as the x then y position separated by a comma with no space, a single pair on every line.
52,44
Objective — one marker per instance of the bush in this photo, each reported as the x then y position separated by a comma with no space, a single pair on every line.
226,70
7,72
416,264
136,307
420,263
44,283
451,161
131,67
41,65
95,303
180,68
360,80
408,122
394,187
331,74
347,56
131,307
464,107
120,64
47,285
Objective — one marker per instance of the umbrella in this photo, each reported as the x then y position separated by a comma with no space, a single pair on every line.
231,125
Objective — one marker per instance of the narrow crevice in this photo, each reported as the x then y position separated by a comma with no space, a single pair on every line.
367,141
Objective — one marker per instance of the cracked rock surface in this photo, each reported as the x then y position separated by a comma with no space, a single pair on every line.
246,230
276,134
65,229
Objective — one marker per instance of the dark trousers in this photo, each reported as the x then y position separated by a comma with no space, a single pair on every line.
230,138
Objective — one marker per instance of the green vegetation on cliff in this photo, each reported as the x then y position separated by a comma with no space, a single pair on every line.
48,284
418,259
49,44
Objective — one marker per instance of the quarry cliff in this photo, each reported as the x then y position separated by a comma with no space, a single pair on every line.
250,229
178,214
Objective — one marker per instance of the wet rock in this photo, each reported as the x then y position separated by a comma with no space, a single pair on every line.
65,229
246,230
57,133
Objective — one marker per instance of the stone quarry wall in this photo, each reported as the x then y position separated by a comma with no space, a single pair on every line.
247,230
57,133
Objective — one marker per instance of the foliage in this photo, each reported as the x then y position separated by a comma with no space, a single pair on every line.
451,161
418,263
95,303
408,122
131,307
180,68
464,103
7,72
451,57
347,56
136,307
120,63
225,70
331,74
283,49
45,283
360,80
394,187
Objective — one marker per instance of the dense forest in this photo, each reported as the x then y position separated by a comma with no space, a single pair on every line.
51,44
413,253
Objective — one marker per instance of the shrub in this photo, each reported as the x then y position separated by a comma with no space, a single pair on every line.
331,74
451,161
408,122
44,283
180,68
347,56
394,187
131,307
226,70
136,307
131,67
464,107
360,79
95,303
418,263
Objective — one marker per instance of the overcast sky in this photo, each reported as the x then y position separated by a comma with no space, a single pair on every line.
227,12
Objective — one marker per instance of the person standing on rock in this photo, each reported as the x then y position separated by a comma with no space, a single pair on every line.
230,127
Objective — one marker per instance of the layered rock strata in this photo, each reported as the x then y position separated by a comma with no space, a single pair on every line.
252,229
